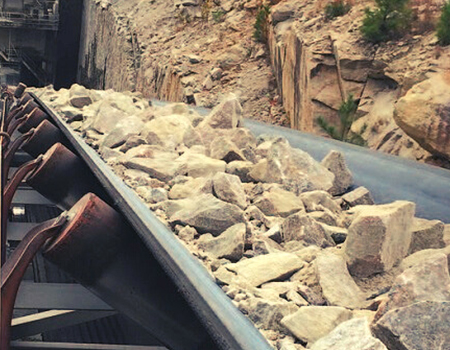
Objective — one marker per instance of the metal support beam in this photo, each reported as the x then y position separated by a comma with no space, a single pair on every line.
58,296
23,345
51,320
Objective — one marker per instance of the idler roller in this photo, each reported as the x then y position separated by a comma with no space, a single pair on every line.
24,99
63,178
20,90
44,137
99,249
35,117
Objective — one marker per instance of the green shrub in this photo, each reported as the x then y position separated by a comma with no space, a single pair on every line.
218,16
261,26
443,27
346,112
391,19
336,8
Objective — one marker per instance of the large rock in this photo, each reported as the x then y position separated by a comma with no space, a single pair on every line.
130,126
277,201
424,325
265,268
343,179
338,287
229,245
379,237
283,11
229,189
319,201
429,281
311,323
226,115
300,227
353,334
426,234
207,214
293,168
424,114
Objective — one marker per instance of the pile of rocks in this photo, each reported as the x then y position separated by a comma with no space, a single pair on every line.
310,260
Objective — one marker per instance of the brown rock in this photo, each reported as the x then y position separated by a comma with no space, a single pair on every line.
359,196
343,179
300,227
229,189
226,115
277,201
229,245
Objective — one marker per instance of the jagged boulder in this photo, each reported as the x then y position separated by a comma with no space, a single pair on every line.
229,189
426,234
277,201
229,245
424,114
226,115
343,179
124,129
300,227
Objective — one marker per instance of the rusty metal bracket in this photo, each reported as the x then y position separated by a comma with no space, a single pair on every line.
12,151
8,195
15,267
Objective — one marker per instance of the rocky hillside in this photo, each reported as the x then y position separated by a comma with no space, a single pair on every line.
309,261
197,51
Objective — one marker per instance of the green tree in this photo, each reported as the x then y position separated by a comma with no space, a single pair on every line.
336,8
390,19
443,27
261,26
346,112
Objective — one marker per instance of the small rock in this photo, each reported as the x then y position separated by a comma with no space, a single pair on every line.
199,165
325,217
226,115
216,73
229,245
79,96
265,268
124,129
208,83
300,227
338,234
319,201
152,195
274,233
359,196
207,214
426,234
343,179
192,187
277,201
338,286
241,169
311,323
353,334
194,59
224,149
229,189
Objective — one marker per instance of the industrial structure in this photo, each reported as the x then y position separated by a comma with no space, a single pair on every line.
28,30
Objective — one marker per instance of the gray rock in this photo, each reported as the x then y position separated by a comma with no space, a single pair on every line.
311,323
325,217
379,237
426,234
353,334
124,129
263,245
420,326
131,142
207,214
277,201
338,287
359,196
229,245
343,179
79,96
420,257
229,189
265,268
300,227
226,115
